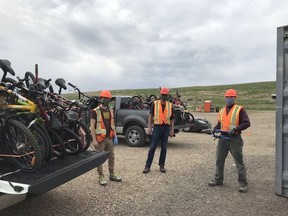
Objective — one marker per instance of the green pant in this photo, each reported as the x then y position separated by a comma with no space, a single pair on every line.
235,146
107,145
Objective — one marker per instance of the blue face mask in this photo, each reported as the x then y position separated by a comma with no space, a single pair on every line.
230,101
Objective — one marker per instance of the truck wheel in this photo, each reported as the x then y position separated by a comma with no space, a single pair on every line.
135,136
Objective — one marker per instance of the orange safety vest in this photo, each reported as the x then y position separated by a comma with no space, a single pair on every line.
230,121
161,117
100,127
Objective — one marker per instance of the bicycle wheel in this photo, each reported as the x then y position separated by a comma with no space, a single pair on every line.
47,139
71,141
21,146
83,132
58,147
42,141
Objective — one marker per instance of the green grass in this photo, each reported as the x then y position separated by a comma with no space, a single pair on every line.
253,96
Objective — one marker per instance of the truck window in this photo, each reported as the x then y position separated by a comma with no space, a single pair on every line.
124,103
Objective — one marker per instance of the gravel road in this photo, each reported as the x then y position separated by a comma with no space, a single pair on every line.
183,190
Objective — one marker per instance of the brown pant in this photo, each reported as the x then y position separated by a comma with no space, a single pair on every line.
107,145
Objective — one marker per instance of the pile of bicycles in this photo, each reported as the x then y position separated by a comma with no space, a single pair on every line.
181,115
37,124
141,101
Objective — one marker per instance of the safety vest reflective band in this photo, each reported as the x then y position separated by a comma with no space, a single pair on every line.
230,121
100,131
161,117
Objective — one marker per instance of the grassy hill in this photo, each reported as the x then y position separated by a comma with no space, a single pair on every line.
254,96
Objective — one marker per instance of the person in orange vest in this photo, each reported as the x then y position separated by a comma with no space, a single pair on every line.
232,120
103,134
162,118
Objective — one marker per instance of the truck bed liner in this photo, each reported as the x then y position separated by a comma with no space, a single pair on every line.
54,173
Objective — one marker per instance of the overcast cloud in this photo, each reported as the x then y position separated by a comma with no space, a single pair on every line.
128,44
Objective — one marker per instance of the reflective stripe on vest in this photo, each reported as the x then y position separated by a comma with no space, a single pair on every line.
230,121
161,117
100,127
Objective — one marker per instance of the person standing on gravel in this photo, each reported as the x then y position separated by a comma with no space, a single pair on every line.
103,132
161,115
232,119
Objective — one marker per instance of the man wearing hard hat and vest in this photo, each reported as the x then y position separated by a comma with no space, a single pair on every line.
162,118
232,120
103,132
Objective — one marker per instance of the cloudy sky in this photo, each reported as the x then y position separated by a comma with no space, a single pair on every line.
130,44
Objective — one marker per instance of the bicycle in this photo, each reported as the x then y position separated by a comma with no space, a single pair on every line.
17,143
83,108
31,115
53,113
16,102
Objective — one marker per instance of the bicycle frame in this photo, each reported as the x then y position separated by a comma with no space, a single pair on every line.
22,102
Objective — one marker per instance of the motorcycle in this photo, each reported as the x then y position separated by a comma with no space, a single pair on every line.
199,125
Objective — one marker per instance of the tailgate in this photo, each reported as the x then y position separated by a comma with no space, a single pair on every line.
52,174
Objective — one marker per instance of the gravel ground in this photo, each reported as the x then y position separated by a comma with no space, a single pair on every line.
183,190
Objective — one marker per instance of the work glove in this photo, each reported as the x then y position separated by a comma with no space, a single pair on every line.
115,141
234,131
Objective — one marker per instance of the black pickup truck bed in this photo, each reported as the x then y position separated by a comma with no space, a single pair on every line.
54,173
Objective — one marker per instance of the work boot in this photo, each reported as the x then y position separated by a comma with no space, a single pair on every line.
162,169
114,177
214,183
146,170
243,188
102,180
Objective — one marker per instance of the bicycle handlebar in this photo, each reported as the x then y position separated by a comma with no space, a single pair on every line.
73,86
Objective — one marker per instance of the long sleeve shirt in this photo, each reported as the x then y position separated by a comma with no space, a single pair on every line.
244,121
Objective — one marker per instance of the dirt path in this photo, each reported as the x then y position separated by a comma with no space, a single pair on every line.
183,190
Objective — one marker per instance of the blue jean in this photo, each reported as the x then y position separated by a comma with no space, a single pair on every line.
160,133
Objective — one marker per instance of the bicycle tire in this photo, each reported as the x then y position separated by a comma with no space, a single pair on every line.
83,132
58,147
22,146
42,141
48,140
29,79
72,142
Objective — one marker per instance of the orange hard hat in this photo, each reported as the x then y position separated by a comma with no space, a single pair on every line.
164,90
105,94
230,93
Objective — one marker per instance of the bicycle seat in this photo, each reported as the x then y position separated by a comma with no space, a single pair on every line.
6,66
61,83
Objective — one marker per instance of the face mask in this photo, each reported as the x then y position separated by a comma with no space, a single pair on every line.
106,101
230,101
164,97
